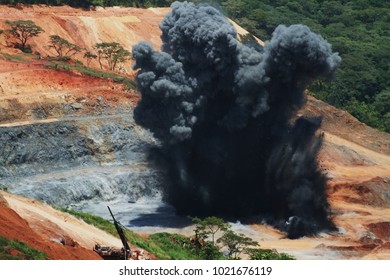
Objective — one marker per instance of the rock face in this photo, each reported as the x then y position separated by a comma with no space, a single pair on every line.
69,163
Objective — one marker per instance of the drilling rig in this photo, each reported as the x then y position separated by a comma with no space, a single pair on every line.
109,253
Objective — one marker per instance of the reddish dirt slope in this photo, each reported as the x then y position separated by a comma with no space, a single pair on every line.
30,92
86,28
127,26
60,235
13,226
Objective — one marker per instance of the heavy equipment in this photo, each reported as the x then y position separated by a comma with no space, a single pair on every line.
109,253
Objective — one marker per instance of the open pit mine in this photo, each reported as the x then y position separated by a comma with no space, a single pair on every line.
210,127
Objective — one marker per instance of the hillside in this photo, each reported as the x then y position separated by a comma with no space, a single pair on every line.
50,231
357,30
69,139
126,26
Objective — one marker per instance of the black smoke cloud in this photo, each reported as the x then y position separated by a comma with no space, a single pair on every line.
223,113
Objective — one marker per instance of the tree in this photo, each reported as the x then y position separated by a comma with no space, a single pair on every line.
23,30
382,102
89,56
358,30
236,243
267,254
209,226
113,53
210,251
97,2
236,8
62,46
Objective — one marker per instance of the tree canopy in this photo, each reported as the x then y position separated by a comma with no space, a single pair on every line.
89,56
113,53
209,226
236,243
359,30
62,46
23,30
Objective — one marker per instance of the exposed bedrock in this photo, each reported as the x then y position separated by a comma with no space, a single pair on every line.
71,162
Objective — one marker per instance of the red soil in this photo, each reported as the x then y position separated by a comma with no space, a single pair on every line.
12,226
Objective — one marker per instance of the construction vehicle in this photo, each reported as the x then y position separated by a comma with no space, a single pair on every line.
109,253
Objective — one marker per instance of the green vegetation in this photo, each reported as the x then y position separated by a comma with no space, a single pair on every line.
62,46
209,226
205,247
22,31
358,30
169,246
89,56
96,221
56,64
35,55
3,188
205,229
267,254
60,59
236,243
209,251
113,53
162,245
14,57
178,247
16,250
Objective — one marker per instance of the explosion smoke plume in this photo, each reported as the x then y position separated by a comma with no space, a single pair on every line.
222,113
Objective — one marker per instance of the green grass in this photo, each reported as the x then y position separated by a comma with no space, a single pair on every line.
30,55
268,254
93,72
3,188
176,246
96,221
24,252
164,246
13,57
